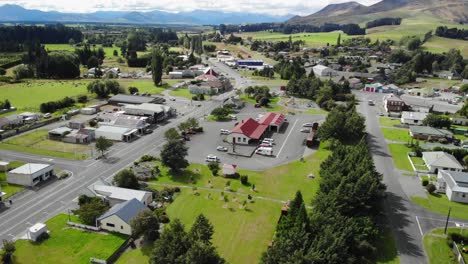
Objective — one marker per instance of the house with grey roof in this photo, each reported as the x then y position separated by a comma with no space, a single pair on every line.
454,185
115,195
429,133
118,218
439,160
413,118
30,174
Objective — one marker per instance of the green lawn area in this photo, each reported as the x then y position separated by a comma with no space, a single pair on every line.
419,163
109,51
135,256
181,92
67,245
10,189
311,39
315,111
389,122
386,248
28,95
438,203
240,236
396,134
280,182
399,153
37,143
437,249
145,86
276,81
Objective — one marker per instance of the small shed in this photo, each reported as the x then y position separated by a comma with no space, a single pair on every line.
35,231
229,170
4,166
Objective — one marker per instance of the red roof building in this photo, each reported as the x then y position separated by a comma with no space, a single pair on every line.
273,120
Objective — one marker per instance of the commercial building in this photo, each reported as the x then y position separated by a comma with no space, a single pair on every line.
247,132
250,64
323,71
119,119
116,133
155,112
121,99
393,103
30,174
454,185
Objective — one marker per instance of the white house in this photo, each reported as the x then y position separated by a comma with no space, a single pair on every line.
454,184
457,120
118,218
323,71
413,118
116,133
439,160
30,174
115,195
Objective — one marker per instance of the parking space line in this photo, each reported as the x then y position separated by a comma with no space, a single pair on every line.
286,140
420,229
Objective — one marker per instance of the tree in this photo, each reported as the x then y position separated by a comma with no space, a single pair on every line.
183,127
173,156
62,64
145,223
126,179
214,167
103,144
464,88
430,188
201,230
338,41
220,113
172,246
157,66
8,251
103,88
437,121
414,43
115,53
192,122
171,134
22,72
91,210
93,62
132,90
2,71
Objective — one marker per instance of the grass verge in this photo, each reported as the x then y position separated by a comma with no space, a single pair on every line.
399,153
438,203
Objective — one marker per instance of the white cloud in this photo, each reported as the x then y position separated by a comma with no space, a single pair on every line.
276,7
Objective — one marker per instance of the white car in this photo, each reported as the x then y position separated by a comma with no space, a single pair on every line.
233,117
269,139
307,125
305,130
266,142
211,158
225,132
221,148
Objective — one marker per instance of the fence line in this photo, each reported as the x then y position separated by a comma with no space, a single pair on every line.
458,254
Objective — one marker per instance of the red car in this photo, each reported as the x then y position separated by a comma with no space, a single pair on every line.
257,105
191,132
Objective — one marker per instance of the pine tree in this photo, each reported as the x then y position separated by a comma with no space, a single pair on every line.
157,67
338,41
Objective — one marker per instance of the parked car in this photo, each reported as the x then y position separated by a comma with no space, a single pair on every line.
267,145
257,106
266,151
211,158
307,125
305,130
148,131
47,115
225,132
233,117
269,140
221,148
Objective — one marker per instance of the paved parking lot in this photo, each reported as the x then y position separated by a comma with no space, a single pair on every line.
288,142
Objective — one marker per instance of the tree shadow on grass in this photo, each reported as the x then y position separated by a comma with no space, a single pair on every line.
185,176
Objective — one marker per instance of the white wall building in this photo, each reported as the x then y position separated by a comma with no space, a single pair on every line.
115,195
323,71
116,133
454,185
413,118
439,160
35,231
118,218
30,174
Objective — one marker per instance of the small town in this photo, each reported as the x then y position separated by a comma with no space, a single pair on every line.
245,132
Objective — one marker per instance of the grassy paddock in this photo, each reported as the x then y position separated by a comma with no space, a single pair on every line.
67,245
311,39
37,143
399,153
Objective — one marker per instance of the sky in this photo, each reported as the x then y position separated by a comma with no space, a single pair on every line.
273,7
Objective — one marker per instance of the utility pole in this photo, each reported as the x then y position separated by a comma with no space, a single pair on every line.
446,222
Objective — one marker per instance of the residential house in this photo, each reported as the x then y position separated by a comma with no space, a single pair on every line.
323,71
458,120
355,83
413,118
429,133
119,216
393,103
439,160
250,64
30,174
424,92
29,117
450,75
390,88
454,184
115,195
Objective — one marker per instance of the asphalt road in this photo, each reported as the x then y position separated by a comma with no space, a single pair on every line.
408,221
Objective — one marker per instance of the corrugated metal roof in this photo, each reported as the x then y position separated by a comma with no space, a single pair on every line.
30,168
125,211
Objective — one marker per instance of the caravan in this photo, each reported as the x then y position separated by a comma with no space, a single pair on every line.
266,151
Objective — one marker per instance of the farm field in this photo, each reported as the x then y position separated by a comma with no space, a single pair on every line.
311,39
37,143
67,245
109,51
439,45
27,96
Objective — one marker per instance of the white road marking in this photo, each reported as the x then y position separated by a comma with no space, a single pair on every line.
286,140
419,226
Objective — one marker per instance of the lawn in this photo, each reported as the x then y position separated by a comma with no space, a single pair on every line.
135,256
109,51
315,111
27,96
437,249
399,153
181,92
9,189
273,106
311,39
396,134
144,86
280,182
37,143
438,203
389,122
419,163
240,236
67,245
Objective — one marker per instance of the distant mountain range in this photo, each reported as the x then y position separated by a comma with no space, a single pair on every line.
16,13
353,12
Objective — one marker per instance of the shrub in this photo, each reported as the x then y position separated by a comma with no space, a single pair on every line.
244,179
195,98
443,141
82,99
63,176
430,188
147,158
425,182
177,189
198,129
